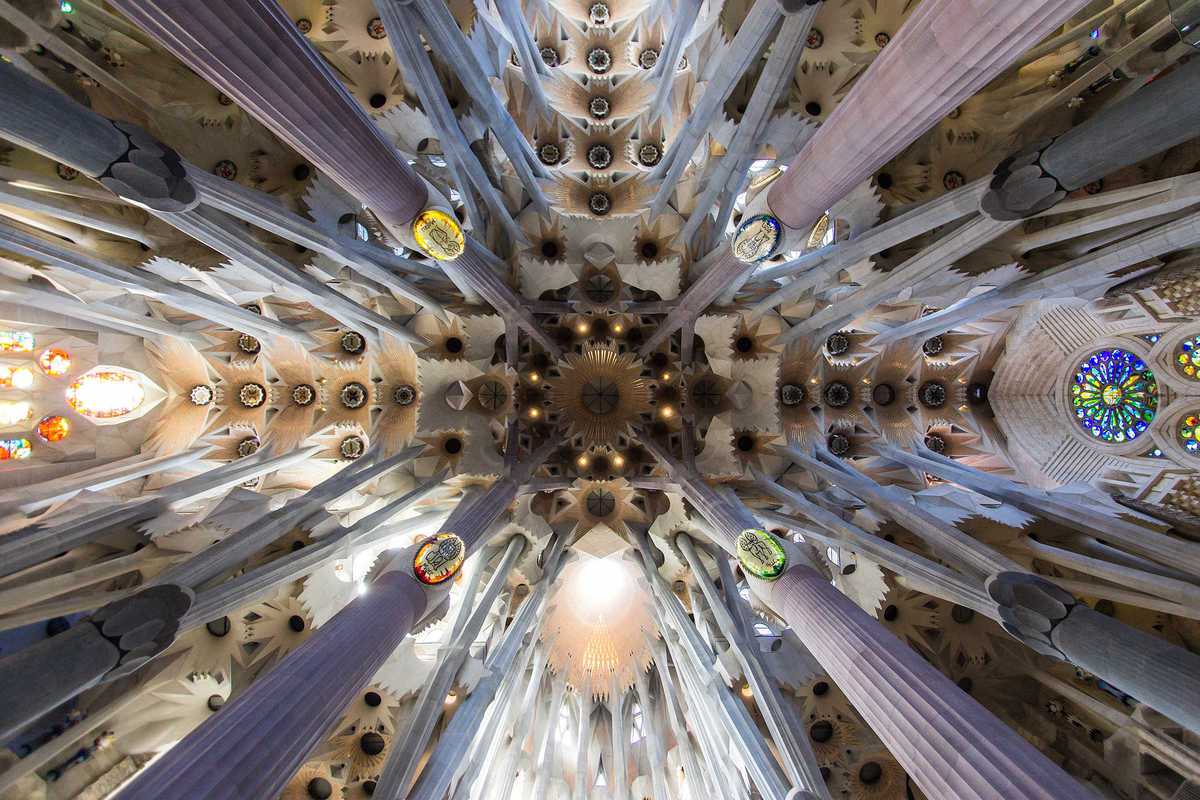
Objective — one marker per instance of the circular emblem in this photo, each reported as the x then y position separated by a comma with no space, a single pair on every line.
439,558
760,554
439,235
757,238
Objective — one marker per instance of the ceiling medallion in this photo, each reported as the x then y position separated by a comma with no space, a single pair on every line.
757,238
439,235
439,558
600,393
760,555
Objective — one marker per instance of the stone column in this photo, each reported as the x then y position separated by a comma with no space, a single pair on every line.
112,643
251,51
1156,117
583,746
254,746
794,749
405,756
448,759
953,747
40,542
234,549
56,253
945,52
121,156
1054,623
473,269
29,500
1087,519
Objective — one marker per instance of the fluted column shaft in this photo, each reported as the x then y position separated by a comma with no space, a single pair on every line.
946,51
951,745
251,51
256,743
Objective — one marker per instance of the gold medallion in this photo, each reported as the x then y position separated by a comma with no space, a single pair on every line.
439,558
757,238
439,234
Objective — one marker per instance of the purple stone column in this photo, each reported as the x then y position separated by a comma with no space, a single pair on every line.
946,51
253,746
953,747
251,51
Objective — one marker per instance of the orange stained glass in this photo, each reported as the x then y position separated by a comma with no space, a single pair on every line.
54,428
55,362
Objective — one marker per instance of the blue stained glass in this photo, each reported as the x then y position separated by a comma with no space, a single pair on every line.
1115,396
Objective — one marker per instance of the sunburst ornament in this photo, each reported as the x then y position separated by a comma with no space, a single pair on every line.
599,394
439,558
760,555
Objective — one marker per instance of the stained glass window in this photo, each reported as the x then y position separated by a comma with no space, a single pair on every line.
1189,433
16,377
55,362
54,428
1187,358
14,412
16,342
105,394
1115,396
15,449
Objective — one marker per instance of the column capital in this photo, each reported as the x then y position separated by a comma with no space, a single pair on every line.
1031,607
1022,185
142,626
149,173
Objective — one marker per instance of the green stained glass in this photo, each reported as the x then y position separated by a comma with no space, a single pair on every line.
1115,396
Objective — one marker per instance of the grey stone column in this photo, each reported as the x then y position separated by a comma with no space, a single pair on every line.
1156,117
251,51
406,754
121,156
113,642
449,757
256,743
1054,623
952,747
945,52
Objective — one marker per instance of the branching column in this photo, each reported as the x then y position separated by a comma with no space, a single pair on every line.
251,51
1153,119
259,740
953,747
1054,623
121,156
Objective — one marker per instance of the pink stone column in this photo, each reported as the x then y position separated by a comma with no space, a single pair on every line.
953,747
253,746
251,51
946,51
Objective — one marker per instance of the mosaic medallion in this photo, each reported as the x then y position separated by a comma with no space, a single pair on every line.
757,238
439,558
760,555
439,235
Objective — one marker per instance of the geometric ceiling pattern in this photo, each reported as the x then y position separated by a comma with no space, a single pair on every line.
609,399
